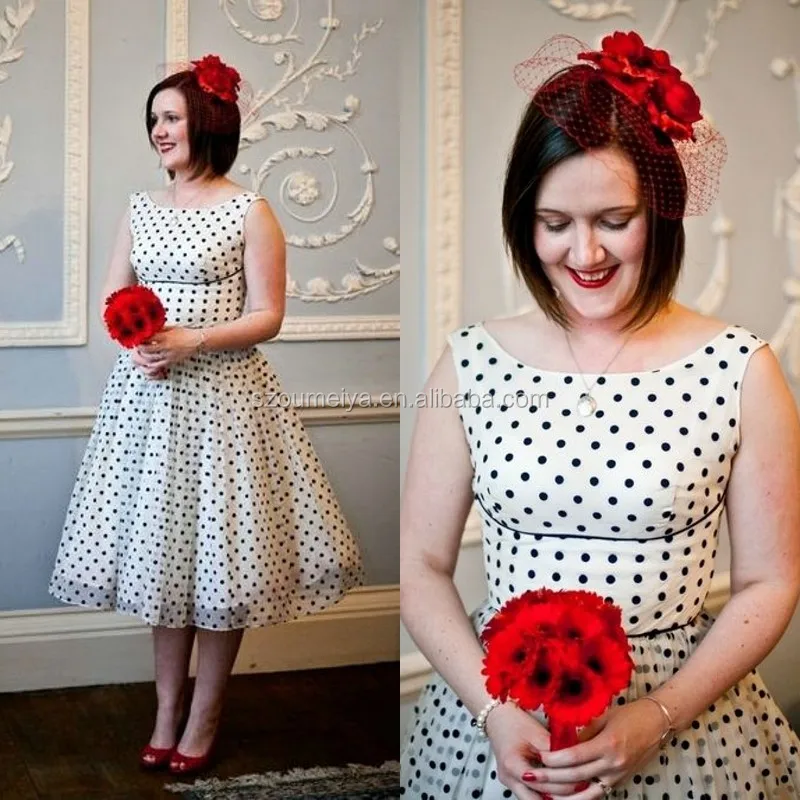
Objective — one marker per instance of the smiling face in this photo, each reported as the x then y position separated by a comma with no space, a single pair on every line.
170,132
590,233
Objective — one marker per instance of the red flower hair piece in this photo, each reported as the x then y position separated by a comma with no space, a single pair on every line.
133,315
631,96
217,78
565,652
647,78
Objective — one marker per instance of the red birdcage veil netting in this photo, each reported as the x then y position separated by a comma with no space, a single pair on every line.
221,85
629,95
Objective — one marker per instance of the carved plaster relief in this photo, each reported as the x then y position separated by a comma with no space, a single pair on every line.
287,106
11,24
591,11
309,178
443,267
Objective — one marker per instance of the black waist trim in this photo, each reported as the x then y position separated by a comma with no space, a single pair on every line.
200,283
659,631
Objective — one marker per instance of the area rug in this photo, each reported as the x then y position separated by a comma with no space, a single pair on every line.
353,782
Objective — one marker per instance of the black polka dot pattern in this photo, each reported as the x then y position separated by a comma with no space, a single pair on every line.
196,503
626,503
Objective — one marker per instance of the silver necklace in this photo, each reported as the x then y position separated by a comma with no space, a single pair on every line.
587,405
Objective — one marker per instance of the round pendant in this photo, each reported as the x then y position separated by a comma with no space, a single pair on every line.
587,405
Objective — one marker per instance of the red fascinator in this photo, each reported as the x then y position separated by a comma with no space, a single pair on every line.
630,94
220,100
217,78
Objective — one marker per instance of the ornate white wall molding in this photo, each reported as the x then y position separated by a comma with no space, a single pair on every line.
11,26
591,12
177,32
49,423
71,328
582,11
702,64
443,267
301,192
377,326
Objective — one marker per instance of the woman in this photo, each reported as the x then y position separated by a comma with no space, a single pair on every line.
603,439
198,507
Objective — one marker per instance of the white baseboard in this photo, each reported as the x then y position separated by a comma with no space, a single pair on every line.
415,669
61,647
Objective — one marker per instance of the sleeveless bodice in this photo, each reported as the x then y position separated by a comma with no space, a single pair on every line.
192,257
626,502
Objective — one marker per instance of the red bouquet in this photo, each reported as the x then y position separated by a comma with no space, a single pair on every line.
133,315
564,651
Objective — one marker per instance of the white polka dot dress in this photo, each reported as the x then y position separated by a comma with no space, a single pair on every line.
626,503
199,501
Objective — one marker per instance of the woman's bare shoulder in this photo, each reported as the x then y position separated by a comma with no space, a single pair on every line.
526,335
528,324
158,196
231,188
694,325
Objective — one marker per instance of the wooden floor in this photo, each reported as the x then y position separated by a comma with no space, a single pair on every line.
82,744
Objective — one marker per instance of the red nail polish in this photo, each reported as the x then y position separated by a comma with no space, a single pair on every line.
529,776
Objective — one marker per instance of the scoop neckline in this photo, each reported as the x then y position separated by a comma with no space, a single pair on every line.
194,208
671,365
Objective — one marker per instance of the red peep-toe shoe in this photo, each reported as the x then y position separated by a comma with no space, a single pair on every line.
155,757
180,764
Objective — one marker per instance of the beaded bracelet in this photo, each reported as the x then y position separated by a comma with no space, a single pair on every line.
665,712
480,721
200,346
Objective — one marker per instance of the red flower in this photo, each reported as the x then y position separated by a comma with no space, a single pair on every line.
579,697
648,79
505,662
580,624
676,107
509,613
217,78
133,315
565,652
537,685
610,660
624,45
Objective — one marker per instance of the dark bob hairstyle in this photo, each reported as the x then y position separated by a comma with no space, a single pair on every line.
540,145
214,125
